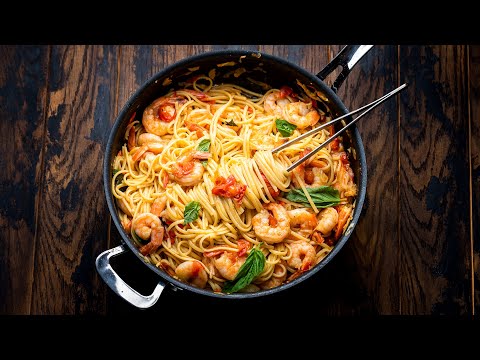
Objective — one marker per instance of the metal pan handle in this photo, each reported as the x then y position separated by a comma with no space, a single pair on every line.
346,58
120,287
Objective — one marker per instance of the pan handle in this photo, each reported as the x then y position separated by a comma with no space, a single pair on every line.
120,287
346,58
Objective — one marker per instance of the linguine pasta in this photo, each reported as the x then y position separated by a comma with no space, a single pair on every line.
202,196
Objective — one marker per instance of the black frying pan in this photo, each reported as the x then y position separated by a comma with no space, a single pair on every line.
256,70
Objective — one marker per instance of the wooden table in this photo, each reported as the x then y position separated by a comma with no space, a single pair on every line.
416,249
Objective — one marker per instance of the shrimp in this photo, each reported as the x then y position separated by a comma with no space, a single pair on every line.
300,169
149,156
131,133
159,205
302,255
188,172
195,127
278,277
228,264
154,143
158,115
150,143
343,216
192,272
303,218
345,176
275,103
317,177
327,220
148,226
122,204
301,114
127,224
310,172
272,229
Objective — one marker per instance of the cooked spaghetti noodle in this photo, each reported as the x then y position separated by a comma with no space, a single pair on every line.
199,191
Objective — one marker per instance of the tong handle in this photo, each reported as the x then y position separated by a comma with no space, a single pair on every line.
368,108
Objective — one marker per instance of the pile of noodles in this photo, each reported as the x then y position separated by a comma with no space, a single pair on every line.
241,135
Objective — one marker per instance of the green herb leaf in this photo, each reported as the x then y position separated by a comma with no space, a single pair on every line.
204,145
230,123
323,196
204,163
137,239
119,178
191,212
285,128
251,268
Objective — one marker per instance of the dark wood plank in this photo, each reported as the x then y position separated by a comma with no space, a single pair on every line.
235,47
434,259
474,84
139,62
73,217
372,251
311,58
23,77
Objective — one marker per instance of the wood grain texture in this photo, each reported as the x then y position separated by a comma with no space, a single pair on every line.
311,57
434,260
23,77
137,63
474,84
72,226
373,247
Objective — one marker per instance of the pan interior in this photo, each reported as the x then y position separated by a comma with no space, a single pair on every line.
257,72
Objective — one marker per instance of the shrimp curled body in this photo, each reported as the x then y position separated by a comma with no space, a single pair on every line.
193,273
302,256
187,171
228,264
275,104
301,114
148,226
154,143
151,119
327,220
303,219
272,229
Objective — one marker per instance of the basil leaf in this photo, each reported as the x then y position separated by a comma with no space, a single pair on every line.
204,163
230,123
251,268
323,196
204,145
191,212
285,128
137,239
119,178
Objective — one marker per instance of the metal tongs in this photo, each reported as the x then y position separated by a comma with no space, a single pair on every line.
369,107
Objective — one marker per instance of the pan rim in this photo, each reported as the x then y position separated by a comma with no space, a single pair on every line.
332,96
